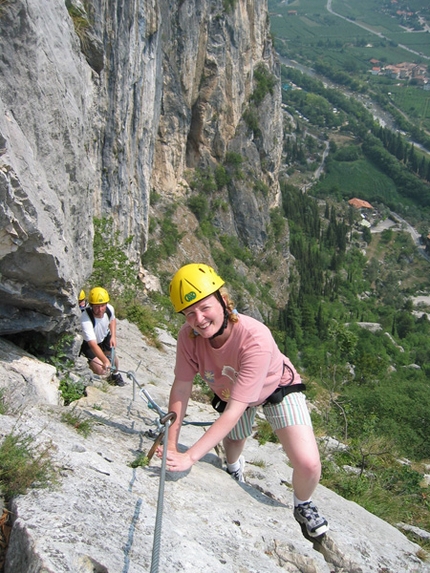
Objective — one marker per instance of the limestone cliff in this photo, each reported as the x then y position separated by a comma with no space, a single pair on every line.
102,101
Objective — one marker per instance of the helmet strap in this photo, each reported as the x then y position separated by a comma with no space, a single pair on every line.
225,322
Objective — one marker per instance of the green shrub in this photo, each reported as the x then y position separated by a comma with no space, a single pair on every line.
199,206
207,229
164,247
348,153
203,181
278,222
232,245
144,319
141,461
265,82
154,197
71,390
24,465
250,117
233,159
261,187
80,22
111,263
221,177
82,426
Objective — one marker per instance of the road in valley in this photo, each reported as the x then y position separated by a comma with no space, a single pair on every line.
369,29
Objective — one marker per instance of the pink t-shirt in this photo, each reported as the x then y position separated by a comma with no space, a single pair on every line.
248,367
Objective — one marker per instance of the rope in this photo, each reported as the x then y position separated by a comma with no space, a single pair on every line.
166,420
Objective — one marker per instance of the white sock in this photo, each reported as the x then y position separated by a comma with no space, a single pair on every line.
298,501
233,467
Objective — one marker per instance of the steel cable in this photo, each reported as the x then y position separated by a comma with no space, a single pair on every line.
166,421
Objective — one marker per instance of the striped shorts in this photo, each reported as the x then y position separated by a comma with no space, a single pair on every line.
292,411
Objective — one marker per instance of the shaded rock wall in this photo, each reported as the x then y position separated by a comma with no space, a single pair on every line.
46,176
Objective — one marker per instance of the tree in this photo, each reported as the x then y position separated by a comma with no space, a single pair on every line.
404,324
367,235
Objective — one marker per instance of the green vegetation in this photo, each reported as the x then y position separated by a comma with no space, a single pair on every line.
264,84
114,271
167,239
250,117
60,356
141,461
371,387
80,22
3,405
387,488
70,389
360,178
145,319
112,266
201,391
258,463
24,464
229,5
264,433
379,166
76,419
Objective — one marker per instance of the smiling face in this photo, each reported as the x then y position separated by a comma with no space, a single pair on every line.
206,316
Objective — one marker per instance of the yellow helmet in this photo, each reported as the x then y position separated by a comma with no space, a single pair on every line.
98,295
192,283
82,295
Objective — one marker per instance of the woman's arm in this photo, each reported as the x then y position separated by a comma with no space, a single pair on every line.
217,432
179,396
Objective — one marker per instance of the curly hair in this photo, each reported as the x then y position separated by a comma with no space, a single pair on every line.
229,303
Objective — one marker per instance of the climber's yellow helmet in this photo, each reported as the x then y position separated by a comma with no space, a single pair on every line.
82,295
98,295
192,283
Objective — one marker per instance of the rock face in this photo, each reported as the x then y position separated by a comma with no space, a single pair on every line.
101,516
46,174
101,103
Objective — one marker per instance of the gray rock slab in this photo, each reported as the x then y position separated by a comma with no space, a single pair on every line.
101,516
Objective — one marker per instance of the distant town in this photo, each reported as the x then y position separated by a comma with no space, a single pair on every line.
416,74
412,21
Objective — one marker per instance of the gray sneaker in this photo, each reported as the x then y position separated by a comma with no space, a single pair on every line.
307,514
238,474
